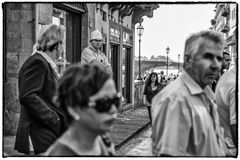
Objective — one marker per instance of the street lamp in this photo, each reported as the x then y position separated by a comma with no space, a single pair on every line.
140,33
167,50
178,62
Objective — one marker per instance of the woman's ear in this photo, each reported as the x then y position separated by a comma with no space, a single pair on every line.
74,113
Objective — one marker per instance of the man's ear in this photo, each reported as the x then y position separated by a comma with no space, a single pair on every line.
187,61
57,47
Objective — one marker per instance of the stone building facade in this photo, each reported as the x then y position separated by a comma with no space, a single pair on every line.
225,20
116,21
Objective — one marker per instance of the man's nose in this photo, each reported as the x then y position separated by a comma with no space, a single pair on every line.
216,64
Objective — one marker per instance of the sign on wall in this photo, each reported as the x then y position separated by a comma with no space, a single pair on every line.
127,39
114,35
45,12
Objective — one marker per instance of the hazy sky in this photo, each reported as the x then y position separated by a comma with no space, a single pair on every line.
170,26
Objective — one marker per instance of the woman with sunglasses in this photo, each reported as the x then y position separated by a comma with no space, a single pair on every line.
88,95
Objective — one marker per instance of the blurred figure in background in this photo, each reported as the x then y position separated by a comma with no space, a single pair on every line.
185,118
225,66
146,75
89,98
226,102
225,62
151,88
161,77
41,121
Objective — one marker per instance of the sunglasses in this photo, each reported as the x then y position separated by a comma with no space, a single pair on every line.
105,104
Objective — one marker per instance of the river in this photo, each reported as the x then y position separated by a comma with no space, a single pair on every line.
173,71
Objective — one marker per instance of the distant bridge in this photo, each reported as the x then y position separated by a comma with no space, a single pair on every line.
146,65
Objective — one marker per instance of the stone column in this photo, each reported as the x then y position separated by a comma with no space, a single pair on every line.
19,30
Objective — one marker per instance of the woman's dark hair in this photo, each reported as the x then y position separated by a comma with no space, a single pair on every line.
149,79
78,83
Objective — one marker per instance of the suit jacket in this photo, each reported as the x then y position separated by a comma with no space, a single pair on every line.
39,116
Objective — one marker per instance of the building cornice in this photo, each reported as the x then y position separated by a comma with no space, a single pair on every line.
141,10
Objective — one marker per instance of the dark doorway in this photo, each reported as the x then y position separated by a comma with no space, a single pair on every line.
73,36
115,63
126,67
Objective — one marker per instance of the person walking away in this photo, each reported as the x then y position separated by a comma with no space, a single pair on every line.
185,118
87,94
92,53
41,122
151,88
226,102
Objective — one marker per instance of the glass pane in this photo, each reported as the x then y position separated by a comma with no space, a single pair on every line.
124,74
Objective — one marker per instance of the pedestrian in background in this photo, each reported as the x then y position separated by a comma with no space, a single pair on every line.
92,54
41,121
89,98
225,62
226,102
185,118
225,66
151,88
161,77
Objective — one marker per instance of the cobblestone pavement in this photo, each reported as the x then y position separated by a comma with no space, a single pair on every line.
138,146
127,126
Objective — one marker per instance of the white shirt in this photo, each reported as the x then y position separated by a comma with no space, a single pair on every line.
183,124
225,99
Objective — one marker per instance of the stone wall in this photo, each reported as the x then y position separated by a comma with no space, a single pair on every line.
19,23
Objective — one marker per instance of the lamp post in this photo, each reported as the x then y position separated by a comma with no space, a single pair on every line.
178,62
167,50
140,33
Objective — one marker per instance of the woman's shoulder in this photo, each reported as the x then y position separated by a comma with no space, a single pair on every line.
59,149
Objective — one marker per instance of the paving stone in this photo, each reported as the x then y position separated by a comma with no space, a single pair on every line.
126,126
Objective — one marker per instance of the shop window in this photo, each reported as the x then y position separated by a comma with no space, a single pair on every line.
126,75
72,20
59,18
104,16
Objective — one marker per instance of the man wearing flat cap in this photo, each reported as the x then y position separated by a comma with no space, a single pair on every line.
92,53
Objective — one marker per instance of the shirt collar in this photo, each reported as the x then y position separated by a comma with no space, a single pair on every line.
48,59
193,87
91,47
233,69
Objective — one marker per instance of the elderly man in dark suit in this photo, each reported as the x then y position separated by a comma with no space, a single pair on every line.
41,122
